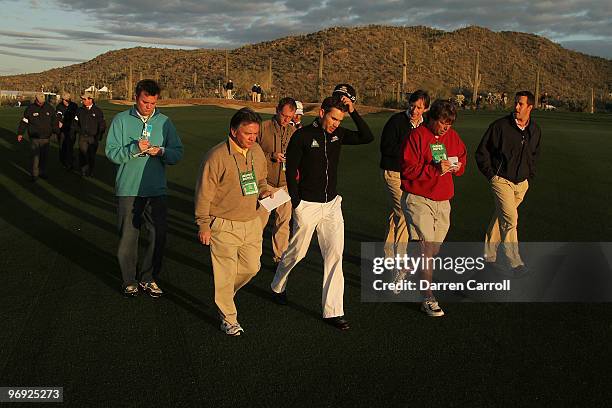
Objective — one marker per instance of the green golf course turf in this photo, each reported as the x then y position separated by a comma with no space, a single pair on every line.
64,321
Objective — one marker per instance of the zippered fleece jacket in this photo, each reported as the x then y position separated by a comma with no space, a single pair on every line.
141,176
509,152
313,157
218,192
420,174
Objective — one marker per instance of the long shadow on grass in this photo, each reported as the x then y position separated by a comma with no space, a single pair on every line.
63,241
82,252
92,194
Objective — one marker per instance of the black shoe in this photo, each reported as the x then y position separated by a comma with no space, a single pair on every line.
520,271
280,298
339,322
44,176
33,179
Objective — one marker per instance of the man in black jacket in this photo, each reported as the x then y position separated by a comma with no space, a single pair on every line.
229,89
66,111
90,125
507,157
397,128
312,167
40,121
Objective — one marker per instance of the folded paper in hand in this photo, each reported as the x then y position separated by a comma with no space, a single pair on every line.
280,198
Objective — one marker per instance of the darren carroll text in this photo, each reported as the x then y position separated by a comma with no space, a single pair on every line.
405,285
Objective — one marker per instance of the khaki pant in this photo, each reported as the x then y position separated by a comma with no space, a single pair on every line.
429,218
235,250
327,219
280,232
504,224
397,236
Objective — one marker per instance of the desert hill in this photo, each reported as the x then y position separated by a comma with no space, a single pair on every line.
368,57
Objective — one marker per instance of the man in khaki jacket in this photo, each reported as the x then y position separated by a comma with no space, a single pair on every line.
273,138
232,177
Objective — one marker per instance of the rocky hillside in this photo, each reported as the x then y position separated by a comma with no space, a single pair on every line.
368,57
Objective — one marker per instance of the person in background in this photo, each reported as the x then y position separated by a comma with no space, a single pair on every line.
229,89
40,121
274,136
66,111
396,130
296,122
90,126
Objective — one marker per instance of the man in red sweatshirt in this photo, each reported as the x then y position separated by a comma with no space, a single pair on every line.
431,156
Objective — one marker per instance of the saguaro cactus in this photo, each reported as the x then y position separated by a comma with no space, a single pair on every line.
226,65
537,88
404,71
270,75
477,78
320,84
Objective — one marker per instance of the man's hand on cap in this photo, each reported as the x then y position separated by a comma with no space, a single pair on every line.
347,101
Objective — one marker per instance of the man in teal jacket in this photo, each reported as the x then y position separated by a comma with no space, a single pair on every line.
142,141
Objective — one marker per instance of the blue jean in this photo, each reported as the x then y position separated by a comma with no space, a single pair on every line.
134,214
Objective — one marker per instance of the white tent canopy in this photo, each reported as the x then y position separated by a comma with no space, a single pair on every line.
103,89
91,89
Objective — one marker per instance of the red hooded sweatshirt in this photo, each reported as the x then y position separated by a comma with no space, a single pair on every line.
420,175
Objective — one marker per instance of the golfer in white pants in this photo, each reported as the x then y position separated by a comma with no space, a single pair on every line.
312,166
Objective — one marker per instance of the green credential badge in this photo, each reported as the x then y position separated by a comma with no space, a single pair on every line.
438,152
248,183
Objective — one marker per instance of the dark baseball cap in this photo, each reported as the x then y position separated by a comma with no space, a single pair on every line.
346,90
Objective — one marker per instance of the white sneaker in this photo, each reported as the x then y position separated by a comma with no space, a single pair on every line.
152,288
231,329
431,307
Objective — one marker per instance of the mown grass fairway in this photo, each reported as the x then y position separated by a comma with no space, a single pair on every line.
65,323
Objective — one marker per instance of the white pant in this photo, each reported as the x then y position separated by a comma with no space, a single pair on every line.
327,219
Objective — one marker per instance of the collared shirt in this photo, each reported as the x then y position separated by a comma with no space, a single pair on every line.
417,124
238,148
517,123
144,118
